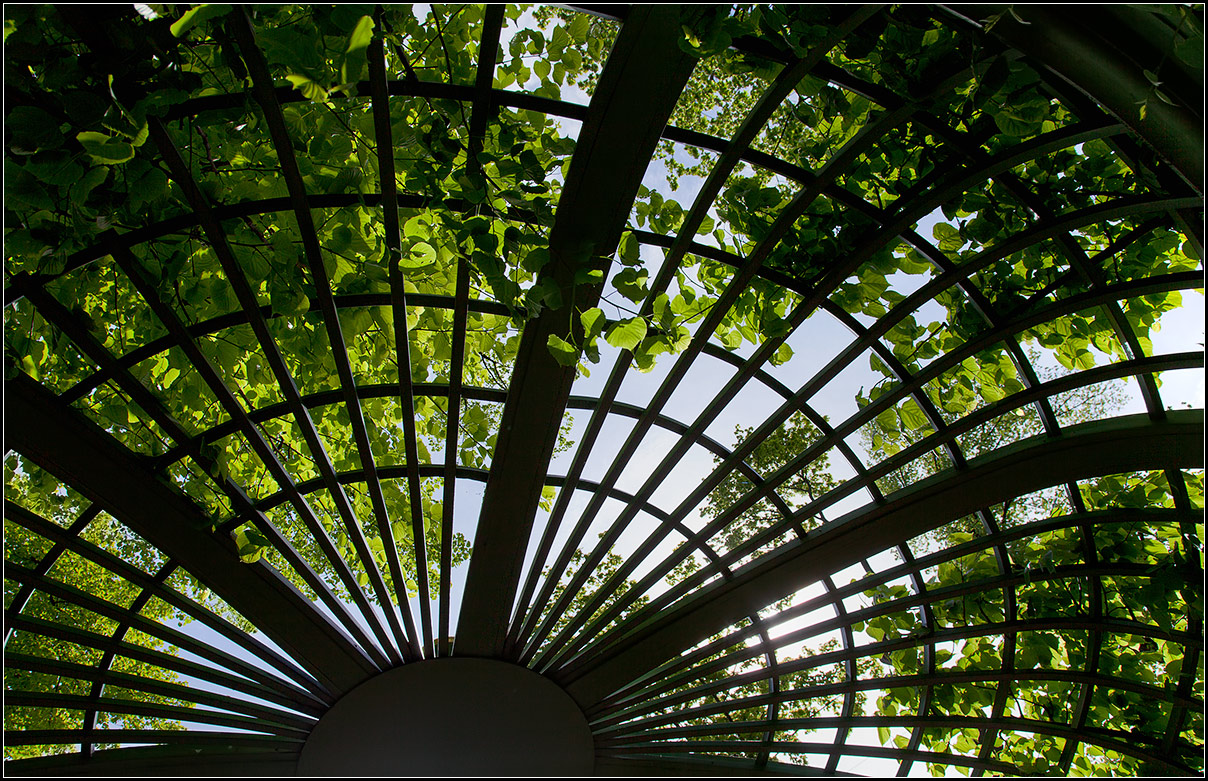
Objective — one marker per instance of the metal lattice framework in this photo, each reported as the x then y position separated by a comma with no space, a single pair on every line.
691,648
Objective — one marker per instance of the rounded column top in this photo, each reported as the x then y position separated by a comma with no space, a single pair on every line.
452,716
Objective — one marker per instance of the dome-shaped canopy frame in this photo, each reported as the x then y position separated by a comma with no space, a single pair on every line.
275,429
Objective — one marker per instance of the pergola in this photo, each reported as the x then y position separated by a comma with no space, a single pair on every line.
604,621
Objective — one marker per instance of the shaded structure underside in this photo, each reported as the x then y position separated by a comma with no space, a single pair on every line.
691,652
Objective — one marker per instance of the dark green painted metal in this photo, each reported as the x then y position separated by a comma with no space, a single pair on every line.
643,77
1088,55
262,82
1102,56
1104,447
69,446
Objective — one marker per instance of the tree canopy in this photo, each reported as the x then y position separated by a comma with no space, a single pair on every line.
285,259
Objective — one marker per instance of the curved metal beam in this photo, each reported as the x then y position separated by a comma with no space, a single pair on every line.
1086,55
643,77
688,667
1104,447
74,449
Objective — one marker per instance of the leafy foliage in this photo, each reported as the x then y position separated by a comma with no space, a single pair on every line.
982,158
84,586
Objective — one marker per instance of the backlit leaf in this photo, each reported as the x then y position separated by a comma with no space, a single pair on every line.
627,334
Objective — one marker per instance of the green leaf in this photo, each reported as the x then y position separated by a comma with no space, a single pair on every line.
565,353
912,417
288,299
888,420
151,188
630,249
250,544
579,27
730,339
588,276
782,355
593,322
627,334
354,322
54,167
30,366
545,294
572,60
354,57
196,16
984,228
644,356
310,89
105,149
558,41
679,339
361,36
536,259
1023,119
417,227
81,189
421,256
949,238
631,283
